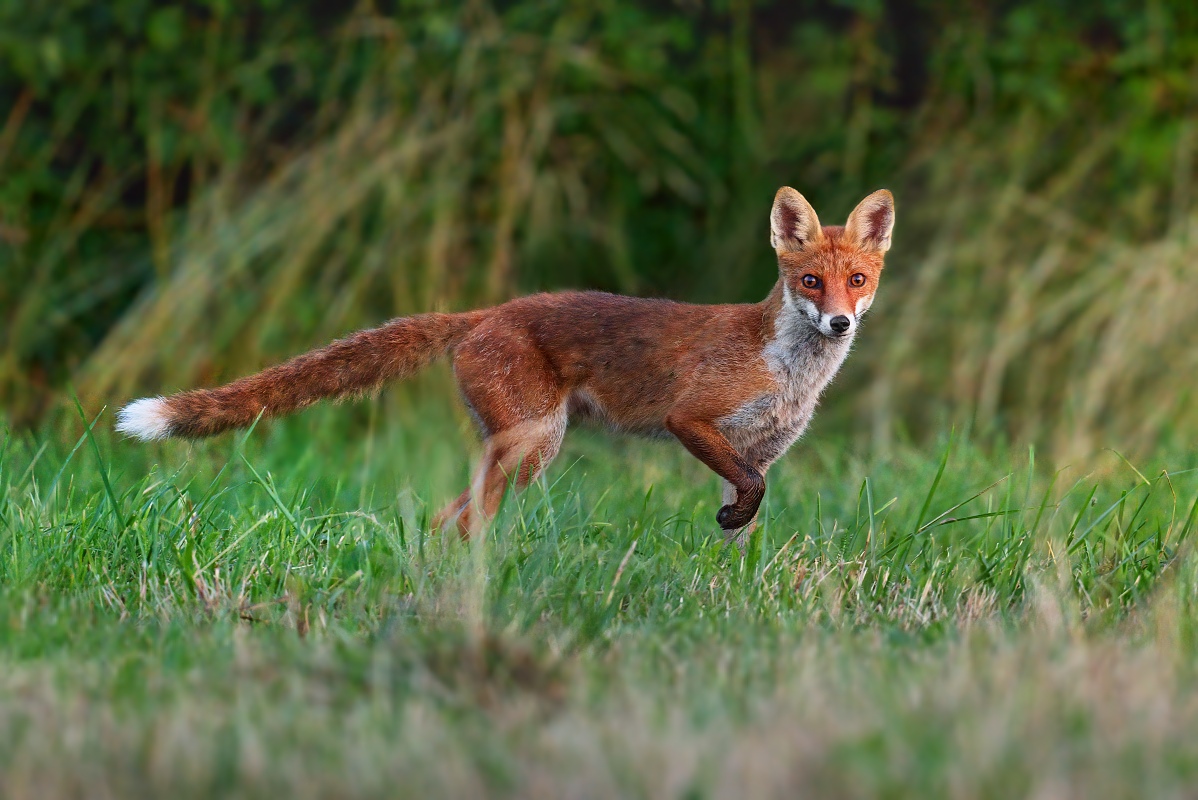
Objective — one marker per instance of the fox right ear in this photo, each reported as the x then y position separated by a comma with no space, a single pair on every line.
793,223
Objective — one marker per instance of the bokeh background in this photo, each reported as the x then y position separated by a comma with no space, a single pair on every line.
189,191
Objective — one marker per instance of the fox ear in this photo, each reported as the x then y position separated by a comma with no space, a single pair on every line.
871,222
793,224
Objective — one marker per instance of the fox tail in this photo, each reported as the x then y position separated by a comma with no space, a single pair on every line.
355,365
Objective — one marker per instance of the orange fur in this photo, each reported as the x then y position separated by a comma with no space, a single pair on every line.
735,384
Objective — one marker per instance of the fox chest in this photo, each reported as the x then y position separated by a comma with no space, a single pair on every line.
770,423
765,426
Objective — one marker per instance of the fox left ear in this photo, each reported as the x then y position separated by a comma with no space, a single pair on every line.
871,222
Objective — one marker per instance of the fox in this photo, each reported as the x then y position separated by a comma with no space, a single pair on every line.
735,384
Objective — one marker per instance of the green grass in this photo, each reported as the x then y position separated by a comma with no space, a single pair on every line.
247,617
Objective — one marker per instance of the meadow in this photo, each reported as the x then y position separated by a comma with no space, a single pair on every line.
975,576
268,613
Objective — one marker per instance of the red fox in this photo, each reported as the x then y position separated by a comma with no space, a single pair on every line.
735,384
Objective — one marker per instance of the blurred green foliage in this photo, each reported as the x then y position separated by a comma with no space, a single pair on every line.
188,190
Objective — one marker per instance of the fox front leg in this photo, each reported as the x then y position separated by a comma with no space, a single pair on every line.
705,442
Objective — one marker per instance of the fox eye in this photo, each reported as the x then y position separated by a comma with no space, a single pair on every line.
811,282
857,280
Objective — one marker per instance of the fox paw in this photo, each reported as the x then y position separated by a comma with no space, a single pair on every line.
733,518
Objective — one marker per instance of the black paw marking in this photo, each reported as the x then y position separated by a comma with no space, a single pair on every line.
730,518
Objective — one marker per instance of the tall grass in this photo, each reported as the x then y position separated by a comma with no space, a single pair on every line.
1038,288
1028,320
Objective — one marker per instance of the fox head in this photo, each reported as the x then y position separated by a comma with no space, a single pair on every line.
830,274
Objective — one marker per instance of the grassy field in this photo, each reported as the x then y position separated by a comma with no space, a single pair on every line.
192,191
257,615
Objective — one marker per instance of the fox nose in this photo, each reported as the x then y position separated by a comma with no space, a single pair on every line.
839,324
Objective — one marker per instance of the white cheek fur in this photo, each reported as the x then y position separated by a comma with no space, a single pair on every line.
809,308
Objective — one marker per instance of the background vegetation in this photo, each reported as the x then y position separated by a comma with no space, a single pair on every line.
959,590
235,182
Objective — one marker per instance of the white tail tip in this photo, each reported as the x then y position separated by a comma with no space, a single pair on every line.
145,419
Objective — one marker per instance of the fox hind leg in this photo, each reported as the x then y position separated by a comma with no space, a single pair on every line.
450,514
516,455
521,408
